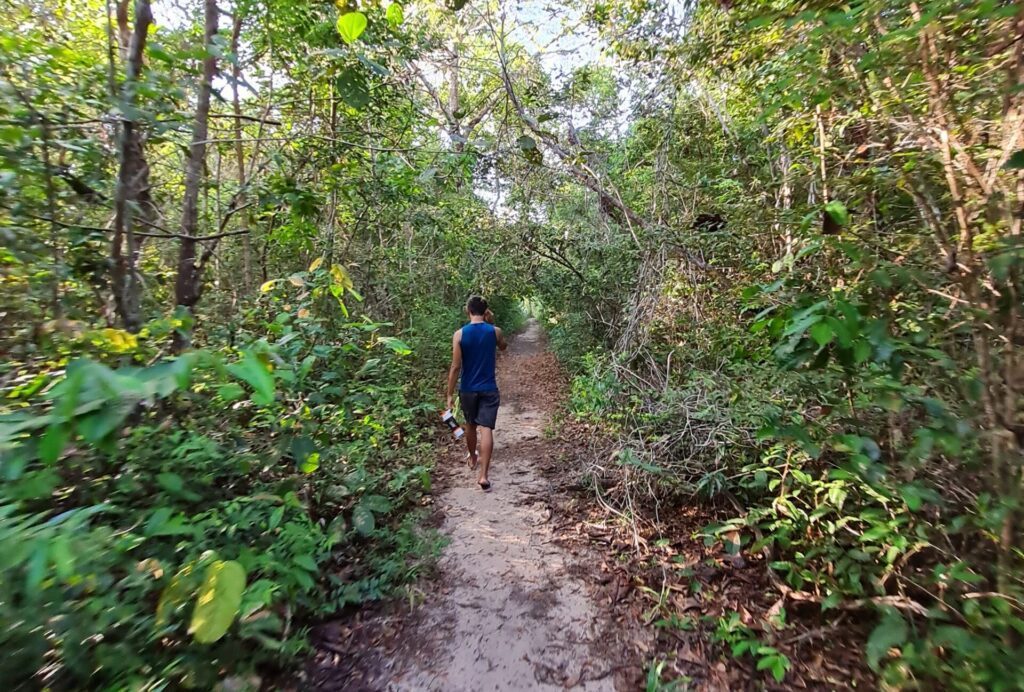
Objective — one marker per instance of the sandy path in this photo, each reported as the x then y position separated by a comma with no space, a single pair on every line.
509,615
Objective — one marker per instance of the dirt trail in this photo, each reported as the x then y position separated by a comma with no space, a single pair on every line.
510,614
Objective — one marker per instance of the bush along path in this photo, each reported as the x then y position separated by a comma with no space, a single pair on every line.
512,606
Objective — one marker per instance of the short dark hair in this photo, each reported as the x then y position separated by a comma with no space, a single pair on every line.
476,306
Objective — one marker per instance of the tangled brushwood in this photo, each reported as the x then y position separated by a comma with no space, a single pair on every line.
832,369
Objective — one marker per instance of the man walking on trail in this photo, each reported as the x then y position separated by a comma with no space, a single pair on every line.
473,354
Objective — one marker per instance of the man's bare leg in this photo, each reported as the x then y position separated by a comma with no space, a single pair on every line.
471,444
486,448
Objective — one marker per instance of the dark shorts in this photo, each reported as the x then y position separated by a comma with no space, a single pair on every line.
481,408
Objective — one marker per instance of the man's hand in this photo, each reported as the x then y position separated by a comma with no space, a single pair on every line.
488,316
448,404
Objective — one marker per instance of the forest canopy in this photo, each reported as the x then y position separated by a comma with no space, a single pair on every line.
776,244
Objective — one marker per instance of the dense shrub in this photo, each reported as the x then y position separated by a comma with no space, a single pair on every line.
212,504
819,328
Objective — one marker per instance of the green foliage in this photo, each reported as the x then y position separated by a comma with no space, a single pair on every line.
351,26
508,313
217,601
573,336
814,322
790,278
972,648
229,514
891,631
653,682
740,640
593,392
395,14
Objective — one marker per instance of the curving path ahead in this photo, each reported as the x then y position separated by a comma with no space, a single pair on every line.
511,615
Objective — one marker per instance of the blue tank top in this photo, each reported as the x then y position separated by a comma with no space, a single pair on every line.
479,342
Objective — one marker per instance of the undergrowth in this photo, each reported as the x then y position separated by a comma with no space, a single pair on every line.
169,521
844,477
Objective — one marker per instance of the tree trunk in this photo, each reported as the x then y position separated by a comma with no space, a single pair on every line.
188,285
236,73
454,130
132,192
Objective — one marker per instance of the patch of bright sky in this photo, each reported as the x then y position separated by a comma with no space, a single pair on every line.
556,34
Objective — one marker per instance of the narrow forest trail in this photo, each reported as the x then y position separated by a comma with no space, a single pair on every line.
510,615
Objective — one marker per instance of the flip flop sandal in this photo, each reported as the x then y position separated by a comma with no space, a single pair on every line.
485,486
472,460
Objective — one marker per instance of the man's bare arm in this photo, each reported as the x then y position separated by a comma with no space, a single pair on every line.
489,319
453,371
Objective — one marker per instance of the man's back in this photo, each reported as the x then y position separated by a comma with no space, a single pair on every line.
473,355
478,343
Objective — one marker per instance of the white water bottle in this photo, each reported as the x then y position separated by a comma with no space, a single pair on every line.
449,419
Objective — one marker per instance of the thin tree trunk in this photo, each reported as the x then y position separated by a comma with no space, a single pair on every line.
454,130
785,198
132,180
236,73
188,285
819,121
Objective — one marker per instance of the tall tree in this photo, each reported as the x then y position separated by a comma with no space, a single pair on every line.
188,286
133,203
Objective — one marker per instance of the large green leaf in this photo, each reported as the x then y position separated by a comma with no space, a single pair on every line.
163,522
311,463
171,482
218,600
861,350
376,503
96,426
63,557
396,345
53,442
351,26
394,14
821,332
838,212
353,89
304,451
230,391
891,631
252,370
362,520
306,562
